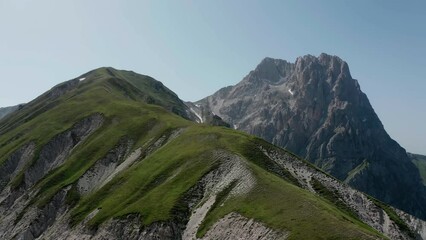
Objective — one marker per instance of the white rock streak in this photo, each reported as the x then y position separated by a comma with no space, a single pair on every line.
198,116
233,170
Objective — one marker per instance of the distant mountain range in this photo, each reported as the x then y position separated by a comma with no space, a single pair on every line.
113,154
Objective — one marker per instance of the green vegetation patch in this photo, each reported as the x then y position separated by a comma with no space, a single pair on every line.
356,170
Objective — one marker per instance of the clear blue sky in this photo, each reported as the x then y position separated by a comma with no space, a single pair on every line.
196,47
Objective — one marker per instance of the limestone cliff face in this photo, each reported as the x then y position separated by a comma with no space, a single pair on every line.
314,108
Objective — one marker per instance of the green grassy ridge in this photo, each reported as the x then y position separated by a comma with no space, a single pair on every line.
185,157
49,121
247,206
40,130
154,186
128,195
151,90
135,119
141,131
358,169
30,111
88,98
291,209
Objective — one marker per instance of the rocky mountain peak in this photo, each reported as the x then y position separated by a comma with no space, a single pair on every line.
333,67
314,108
273,70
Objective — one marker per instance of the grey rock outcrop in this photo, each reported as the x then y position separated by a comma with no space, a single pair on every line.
314,108
15,163
57,150
37,220
98,173
15,191
235,226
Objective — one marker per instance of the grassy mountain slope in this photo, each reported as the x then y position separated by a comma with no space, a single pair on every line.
136,88
176,155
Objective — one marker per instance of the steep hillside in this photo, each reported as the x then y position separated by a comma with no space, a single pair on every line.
94,159
314,108
136,87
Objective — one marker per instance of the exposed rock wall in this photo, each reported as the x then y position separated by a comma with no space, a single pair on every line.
235,226
14,200
15,163
99,173
54,153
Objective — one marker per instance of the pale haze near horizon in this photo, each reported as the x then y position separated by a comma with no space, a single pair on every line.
198,47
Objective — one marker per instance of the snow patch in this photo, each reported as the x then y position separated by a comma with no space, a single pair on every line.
82,79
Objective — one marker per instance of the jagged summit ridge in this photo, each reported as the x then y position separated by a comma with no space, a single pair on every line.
273,70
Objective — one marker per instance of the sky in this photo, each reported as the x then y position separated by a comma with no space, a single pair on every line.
196,47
